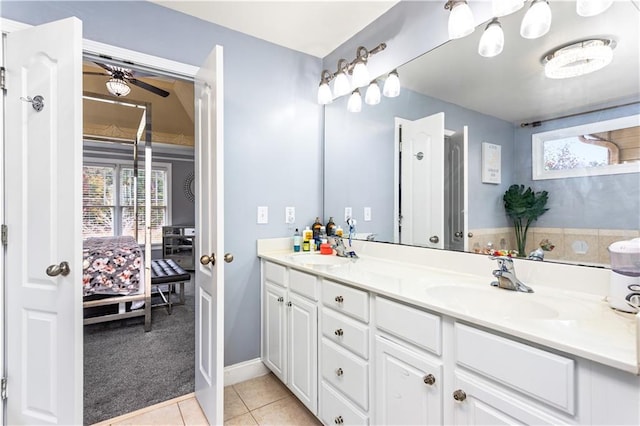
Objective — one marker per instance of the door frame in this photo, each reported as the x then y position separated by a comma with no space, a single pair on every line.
89,48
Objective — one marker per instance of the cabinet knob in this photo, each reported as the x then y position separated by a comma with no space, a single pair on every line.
338,420
289,304
339,372
280,299
338,332
339,299
459,395
429,379
228,257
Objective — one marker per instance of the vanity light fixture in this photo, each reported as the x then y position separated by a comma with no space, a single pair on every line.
579,58
372,96
492,40
592,7
324,91
360,75
505,7
341,86
391,87
355,101
118,87
537,20
461,22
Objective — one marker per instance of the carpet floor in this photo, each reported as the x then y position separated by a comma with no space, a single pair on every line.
126,368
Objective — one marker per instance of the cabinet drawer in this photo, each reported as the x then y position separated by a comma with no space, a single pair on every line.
534,372
346,332
304,284
336,409
411,324
346,372
347,300
275,273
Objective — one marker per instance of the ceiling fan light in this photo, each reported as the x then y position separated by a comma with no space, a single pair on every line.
360,75
461,21
324,93
537,20
341,85
578,59
372,97
118,87
492,40
592,7
505,7
355,102
391,87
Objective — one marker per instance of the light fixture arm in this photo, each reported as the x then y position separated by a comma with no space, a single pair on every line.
450,3
362,54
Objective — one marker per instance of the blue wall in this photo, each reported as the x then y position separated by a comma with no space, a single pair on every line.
273,130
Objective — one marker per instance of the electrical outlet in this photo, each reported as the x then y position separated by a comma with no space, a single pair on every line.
263,214
289,214
348,213
367,214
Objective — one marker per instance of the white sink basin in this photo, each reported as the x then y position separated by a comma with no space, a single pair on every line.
318,259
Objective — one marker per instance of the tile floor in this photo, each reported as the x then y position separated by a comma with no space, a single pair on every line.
260,401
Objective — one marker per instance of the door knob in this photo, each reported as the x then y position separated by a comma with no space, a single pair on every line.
205,259
434,239
228,257
61,269
458,234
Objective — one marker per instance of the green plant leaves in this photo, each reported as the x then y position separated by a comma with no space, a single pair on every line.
524,206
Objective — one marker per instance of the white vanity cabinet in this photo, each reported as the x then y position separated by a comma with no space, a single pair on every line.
290,330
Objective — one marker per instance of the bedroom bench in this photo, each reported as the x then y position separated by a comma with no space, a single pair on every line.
166,271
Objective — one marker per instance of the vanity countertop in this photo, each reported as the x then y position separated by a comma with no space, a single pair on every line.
577,323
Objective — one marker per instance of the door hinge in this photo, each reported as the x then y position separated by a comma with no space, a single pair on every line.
2,78
3,389
5,233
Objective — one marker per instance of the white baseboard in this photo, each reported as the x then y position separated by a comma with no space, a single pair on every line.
242,371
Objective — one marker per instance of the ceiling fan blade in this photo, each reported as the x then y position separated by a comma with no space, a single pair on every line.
146,86
105,66
95,73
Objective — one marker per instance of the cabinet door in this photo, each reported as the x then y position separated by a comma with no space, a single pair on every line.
478,402
303,350
274,330
408,386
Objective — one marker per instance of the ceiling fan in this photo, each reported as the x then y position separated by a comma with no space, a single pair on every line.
118,84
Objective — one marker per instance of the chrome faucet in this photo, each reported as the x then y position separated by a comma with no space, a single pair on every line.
338,245
506,275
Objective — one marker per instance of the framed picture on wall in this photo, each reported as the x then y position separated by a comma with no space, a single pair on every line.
491,163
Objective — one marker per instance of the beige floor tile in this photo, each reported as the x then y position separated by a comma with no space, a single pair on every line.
192,413
261,391
245,419
233,405
169,415
288,411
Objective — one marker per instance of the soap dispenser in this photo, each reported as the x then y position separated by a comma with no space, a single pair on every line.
316,229
331,227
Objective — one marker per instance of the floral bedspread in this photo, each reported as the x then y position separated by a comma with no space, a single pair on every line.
111,265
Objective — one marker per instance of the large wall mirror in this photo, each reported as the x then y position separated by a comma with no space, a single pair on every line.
491,109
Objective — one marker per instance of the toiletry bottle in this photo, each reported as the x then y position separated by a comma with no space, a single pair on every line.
339,231
296,240
331,227
316,229
322,235
307,234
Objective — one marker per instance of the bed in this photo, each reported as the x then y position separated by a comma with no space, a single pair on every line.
113,276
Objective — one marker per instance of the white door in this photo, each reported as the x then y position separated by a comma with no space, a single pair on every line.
422,181
303,350
43,163
209,221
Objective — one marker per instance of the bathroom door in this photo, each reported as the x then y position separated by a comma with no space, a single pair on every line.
43,205
209,221
422,181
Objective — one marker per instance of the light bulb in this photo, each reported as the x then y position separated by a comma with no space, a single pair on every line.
460,20
372,97
355,102
360,75
341,86
537,20
592,7
118,87
505,7
391,87
492,40
324,93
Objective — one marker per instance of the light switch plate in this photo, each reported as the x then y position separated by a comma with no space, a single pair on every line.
289,214
367,214
348,213
263,214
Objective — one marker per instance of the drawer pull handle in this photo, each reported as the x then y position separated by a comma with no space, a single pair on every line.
338,420
338,332
459,395
429,379
339,372
280,299
339,299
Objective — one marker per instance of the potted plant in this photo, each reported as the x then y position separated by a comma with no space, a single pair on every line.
524,207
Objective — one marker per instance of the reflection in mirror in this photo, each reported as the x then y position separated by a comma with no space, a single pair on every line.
502,101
